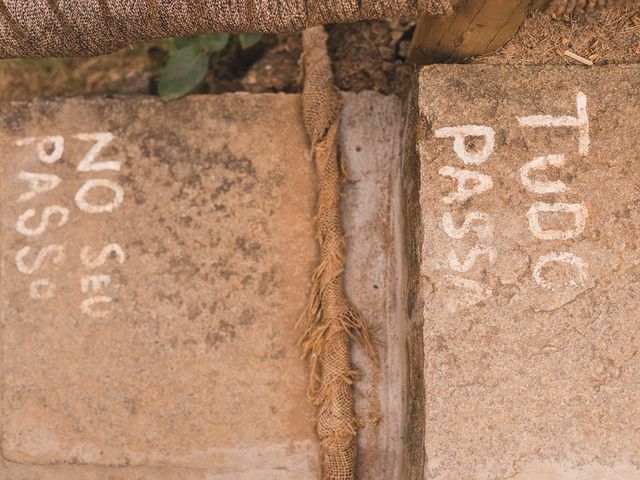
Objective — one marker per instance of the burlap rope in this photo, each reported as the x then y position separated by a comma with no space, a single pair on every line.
329,321
52,28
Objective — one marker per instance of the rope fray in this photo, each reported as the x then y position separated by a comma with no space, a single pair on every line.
330,322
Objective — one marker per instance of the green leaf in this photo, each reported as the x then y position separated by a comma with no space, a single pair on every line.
216,42
249,39
181,42
184,71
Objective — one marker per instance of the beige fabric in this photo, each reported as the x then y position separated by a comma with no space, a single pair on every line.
42,28
330,321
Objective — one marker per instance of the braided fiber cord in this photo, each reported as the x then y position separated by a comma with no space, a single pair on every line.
330,320
48,28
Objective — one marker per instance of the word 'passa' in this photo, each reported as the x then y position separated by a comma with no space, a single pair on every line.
32,259
470,182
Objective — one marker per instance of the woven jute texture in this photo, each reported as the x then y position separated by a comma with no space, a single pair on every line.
565,7
47,28
330,321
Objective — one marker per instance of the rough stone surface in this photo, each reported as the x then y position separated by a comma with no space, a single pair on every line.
191,370
527,281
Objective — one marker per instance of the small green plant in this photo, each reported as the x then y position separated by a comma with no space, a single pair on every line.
190,59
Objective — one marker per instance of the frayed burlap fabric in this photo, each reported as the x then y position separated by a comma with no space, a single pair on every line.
48,28
565,7
330,321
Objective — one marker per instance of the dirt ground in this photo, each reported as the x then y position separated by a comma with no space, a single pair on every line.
366,56
607,37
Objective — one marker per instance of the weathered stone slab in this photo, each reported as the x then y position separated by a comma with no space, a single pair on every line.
155,259
523,219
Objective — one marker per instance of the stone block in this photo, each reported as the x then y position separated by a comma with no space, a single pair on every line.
155,260
522,210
